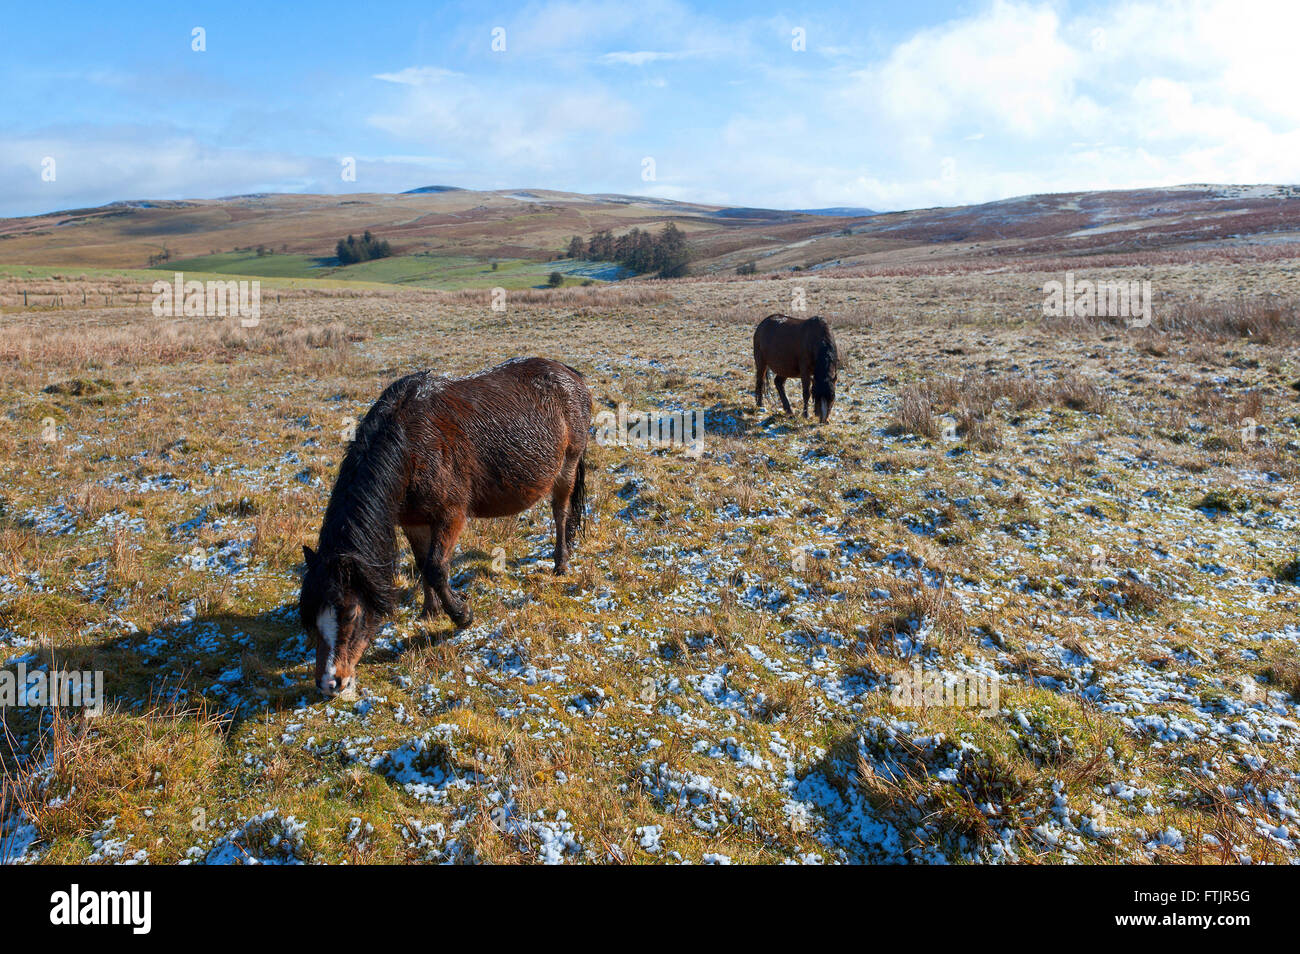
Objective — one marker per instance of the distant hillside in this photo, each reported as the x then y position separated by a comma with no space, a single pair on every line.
842,211
1122,227
444,236
508,225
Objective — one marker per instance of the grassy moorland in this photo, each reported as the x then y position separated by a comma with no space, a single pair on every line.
449,272
32,289
489,226
1075,511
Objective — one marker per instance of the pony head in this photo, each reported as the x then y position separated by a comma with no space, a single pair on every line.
338,619
826,371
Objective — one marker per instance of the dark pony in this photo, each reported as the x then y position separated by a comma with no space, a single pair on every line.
430,454
802,348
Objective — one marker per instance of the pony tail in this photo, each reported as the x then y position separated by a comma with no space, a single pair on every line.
578,498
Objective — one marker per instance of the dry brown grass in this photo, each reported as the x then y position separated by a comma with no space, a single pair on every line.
986,552
1079,393
1284,667
911,606
161,342
915,412
1263,318
574,296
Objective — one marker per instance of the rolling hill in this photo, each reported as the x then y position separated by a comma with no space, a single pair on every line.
444,236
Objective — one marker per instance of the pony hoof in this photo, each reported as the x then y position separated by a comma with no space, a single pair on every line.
561,569
464,619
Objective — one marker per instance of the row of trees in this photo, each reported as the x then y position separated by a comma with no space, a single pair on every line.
352,250
665,254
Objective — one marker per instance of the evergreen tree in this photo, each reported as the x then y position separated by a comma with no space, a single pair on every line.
666,254
350,251
671,254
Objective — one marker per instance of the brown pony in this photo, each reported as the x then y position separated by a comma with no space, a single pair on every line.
431,453
797,347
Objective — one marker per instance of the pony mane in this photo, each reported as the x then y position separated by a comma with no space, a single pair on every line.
358,539
825,360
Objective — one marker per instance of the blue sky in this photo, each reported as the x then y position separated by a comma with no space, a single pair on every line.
889,105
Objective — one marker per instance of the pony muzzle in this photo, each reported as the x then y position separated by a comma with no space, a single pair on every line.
336,687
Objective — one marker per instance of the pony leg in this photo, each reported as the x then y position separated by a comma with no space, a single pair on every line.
561,493
780,389
420,539
760,379
444,537
577,503
560,511
807,385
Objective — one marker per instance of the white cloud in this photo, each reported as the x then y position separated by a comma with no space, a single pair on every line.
136,163
417,76
526,131
1017,99
1008,67
638,57
97,165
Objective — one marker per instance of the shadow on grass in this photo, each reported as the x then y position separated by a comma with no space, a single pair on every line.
235,666
737,419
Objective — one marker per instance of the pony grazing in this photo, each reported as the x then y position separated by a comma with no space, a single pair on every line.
802,348
430,454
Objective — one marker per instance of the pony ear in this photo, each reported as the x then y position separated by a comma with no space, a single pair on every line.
308,555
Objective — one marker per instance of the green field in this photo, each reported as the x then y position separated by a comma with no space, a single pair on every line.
424,270
148,276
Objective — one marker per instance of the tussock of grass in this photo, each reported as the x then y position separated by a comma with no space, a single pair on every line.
1284,668
156,765
1079,394
915,413
1226,500
1289,572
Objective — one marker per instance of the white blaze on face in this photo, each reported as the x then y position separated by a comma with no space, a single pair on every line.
328,625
